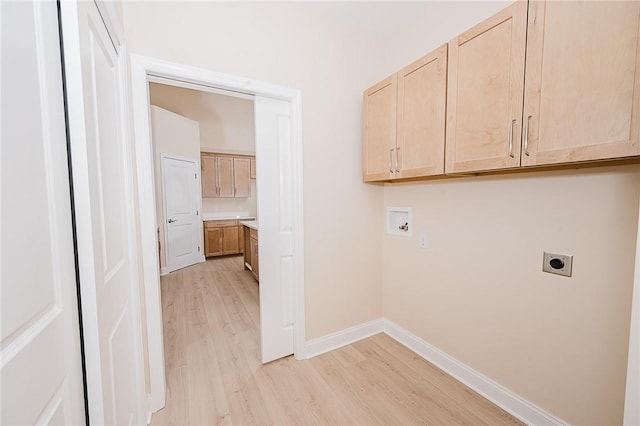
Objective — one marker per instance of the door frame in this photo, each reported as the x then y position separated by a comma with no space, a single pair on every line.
198,196
143,71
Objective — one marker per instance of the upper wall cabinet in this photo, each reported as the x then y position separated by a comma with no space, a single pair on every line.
379,130
241,177
582,81
404,121
485,89
225,176
580,86
422,96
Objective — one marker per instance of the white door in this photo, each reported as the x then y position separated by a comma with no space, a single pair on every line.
180,205
41,367
275,233
103,188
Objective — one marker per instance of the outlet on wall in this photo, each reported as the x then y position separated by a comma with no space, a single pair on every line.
423,241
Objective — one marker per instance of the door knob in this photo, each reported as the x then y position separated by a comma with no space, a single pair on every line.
171,220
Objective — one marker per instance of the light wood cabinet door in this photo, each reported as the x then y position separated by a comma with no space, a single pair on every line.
208,176
241,238
422,96
255,268
485,93
212,241
242,177
225,177
253,168
582,84
379,130
230,243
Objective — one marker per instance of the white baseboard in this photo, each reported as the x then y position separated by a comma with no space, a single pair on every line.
504,398
163,272
342,338
499,395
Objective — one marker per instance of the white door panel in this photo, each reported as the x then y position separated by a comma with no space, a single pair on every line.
102,191
275,234
41,377
180,198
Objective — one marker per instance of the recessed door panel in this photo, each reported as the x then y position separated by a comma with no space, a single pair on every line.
582,81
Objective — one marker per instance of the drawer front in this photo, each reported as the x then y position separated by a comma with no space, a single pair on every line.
219,223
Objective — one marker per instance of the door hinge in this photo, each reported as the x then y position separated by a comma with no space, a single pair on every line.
196,175
198,249
197,213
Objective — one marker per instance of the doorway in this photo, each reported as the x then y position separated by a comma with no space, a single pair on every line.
286,242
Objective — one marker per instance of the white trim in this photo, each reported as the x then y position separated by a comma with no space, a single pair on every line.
632,395
200,87
494,392
136,311
148,225
144,69
345,337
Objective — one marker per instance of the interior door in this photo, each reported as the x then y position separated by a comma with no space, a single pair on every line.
274,180
180,202
102,183
379,130
41,367
242,177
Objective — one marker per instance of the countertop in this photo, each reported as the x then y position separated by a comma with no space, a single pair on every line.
227,216
253,224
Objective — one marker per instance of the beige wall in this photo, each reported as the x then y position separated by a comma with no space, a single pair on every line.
477,292
306,46
226,123
176,135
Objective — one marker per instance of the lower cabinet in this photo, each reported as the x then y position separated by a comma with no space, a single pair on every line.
221,237
251,252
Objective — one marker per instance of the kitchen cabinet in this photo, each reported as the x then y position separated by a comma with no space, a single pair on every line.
221,237
576,97
240,238
212,239
485,92
251,259
242,177
582,82
422,95
404,121
209,176
252,174
225,176
379,130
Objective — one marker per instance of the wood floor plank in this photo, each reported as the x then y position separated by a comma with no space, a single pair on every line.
215,377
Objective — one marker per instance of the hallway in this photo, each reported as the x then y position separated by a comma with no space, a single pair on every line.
214,374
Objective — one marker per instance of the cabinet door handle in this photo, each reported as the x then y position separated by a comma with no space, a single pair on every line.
171,220
511,138
390,160
397,154
526,136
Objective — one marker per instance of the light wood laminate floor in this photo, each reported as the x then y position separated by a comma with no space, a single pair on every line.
214,374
